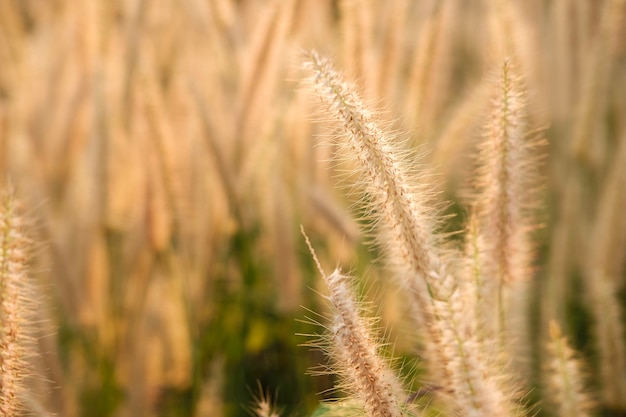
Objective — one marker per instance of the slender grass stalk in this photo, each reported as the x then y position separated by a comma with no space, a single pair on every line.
429,67
394,41
609,332
356,31
596,84
261,74
475,277
607,243
605,264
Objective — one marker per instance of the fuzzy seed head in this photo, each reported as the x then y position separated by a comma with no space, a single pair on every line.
366,374
566,378
13,307
507,177
398,204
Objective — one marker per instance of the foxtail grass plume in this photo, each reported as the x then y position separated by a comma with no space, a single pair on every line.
507,178
14,307
407,223
565,377
355,353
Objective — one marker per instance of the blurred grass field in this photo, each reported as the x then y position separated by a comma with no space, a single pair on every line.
168,155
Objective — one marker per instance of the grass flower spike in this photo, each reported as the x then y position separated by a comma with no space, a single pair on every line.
506,178
565,379
13,308
354,351
398,201
506,182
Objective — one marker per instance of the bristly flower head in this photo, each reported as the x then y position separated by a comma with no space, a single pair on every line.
14,306
508,179
352,348
566,380
398,203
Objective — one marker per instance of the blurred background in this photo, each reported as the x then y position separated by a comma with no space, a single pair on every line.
168,155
